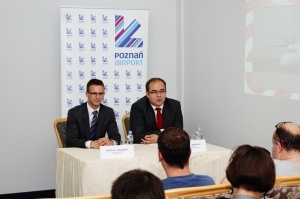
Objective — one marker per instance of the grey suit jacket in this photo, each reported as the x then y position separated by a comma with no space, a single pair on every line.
142,117
78,125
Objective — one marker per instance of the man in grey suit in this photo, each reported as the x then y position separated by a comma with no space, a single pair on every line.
88,123
143,113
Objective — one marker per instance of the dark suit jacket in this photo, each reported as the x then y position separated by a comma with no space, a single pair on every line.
78,125
142,117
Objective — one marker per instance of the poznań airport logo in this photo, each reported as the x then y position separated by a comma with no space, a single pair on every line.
123,36
124,39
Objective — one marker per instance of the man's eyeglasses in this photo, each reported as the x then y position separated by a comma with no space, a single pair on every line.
280,124
155,92
95,93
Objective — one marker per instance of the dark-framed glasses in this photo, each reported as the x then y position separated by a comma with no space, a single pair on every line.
95,93
280,124
155,92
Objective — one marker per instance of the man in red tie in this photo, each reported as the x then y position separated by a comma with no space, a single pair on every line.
154,112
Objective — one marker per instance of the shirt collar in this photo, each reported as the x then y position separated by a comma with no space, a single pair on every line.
90,110
162,106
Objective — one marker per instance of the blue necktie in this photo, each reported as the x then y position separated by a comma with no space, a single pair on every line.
93,126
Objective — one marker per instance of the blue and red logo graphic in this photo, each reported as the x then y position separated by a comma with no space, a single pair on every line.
123,36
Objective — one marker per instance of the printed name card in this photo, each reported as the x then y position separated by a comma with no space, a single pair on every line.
198,145
116,151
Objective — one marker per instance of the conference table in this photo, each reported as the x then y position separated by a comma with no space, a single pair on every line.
81,172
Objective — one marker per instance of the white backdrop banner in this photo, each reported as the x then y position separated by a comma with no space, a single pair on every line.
107,44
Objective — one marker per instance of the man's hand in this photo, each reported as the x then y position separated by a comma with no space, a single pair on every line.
150,139
94,145
105,142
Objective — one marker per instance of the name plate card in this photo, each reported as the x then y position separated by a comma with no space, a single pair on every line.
198,145
116,151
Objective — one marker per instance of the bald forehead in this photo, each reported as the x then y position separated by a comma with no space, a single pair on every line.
292,128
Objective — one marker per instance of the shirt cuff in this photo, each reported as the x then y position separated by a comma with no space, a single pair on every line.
88,144
115,143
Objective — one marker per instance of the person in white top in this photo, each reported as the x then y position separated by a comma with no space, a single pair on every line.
286,148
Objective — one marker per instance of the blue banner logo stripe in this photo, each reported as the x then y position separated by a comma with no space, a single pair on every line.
123,37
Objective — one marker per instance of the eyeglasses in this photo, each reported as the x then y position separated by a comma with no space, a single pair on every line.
155,92
280,124
95,93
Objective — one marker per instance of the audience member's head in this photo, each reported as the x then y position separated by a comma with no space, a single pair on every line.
286,141
137,184
174,147
251,169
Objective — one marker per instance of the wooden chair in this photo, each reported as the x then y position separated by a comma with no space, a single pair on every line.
287,187
126,124
107,196
188,192
60,125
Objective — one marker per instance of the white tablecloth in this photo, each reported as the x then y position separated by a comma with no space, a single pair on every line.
80,172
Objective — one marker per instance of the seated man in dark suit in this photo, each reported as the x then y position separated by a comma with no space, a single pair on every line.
174,153
154,112
88,123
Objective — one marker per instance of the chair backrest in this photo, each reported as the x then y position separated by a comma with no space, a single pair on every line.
212,191
106,196
60,125
286,187
126,124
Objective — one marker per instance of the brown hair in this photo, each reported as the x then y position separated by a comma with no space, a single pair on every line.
137,184
251,168
154,80
289,140
94,82
174,145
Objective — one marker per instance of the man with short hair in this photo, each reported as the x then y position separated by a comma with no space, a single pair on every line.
137,184
88,123
174,152
154,112
286,149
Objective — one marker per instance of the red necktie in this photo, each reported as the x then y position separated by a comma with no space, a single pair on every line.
159,119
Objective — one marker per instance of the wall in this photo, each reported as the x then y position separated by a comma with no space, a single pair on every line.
30,80
201,58
214,53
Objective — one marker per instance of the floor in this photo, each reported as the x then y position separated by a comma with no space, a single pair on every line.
30,195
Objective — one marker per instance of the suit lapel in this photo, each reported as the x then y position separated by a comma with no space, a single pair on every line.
165,113
101,116
85,119
151,114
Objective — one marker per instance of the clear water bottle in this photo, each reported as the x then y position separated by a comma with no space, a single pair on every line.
198,133
130,138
